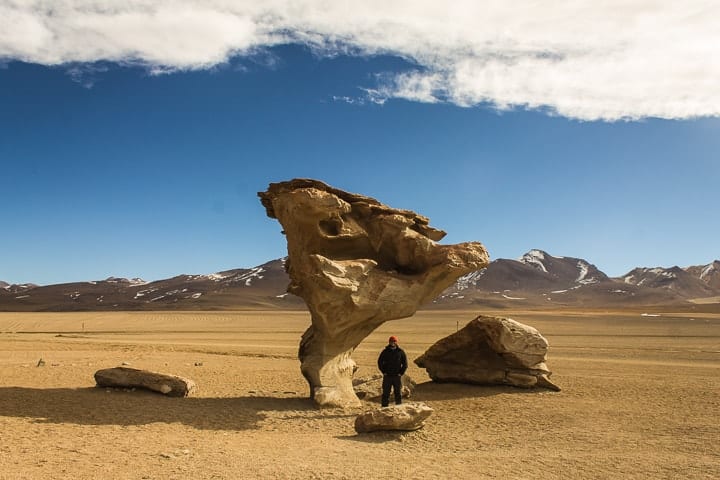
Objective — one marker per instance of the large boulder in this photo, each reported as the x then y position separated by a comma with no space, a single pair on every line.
370,387
407,416
490,350
357,263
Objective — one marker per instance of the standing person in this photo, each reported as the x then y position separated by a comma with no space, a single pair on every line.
392,362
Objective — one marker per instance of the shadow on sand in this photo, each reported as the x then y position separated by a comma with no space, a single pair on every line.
433,391
378,437
96,406
436,392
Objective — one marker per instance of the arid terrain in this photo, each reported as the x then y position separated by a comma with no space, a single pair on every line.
640,399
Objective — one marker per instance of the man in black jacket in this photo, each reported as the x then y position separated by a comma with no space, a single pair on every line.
392,362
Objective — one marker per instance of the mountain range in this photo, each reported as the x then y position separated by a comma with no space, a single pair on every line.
535,280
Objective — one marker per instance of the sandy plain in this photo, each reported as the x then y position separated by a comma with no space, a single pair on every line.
640,399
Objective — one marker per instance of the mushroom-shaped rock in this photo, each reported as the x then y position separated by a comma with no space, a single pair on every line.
357,263
371,387
407,416
490,350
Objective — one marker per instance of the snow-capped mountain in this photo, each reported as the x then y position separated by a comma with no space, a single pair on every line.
15,288
708,274
674,279
259,286
536,279
566,269
535,276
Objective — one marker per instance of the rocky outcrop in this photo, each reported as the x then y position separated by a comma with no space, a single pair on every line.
371,387
490,350
125,377
407,416
357,263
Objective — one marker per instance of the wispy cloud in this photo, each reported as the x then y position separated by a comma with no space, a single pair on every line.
610,59
85,73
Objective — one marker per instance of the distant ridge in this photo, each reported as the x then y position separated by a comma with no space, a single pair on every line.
674,279
258,287
15,288
537,279
709,274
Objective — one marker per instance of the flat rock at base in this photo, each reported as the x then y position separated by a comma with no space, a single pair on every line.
124,377
371,387
490,350
405,417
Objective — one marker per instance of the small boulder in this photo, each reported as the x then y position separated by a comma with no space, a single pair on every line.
371,386
404,417
125,377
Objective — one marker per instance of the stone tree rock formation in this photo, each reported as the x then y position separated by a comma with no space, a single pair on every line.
490,350
357,263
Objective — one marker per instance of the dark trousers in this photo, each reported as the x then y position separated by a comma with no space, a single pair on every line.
394,382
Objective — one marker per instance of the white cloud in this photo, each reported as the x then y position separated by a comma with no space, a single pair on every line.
609,59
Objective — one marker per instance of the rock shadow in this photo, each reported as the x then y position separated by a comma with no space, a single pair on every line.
96,406
430,391
379,436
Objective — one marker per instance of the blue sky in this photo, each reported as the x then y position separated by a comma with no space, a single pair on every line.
143,165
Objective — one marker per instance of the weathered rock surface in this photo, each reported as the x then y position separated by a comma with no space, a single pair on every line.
357,263
371,387
407,416
125,377
490,350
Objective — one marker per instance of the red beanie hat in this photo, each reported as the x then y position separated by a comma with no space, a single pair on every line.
393,339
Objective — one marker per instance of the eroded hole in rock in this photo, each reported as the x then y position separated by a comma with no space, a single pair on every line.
393,267
409,270
416,228
344,248
331,226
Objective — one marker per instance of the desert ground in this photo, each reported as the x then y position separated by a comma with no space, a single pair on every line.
640,399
